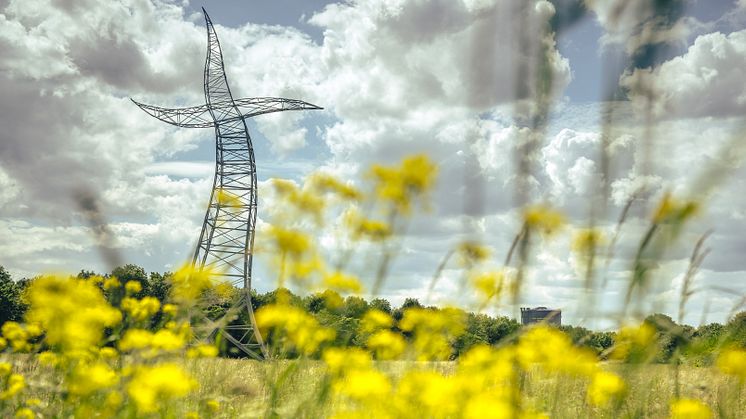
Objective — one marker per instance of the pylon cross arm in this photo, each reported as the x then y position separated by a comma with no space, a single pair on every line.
200,116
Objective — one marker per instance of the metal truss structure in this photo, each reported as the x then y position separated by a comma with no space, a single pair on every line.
226,242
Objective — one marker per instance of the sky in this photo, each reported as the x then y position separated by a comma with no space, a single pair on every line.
395,77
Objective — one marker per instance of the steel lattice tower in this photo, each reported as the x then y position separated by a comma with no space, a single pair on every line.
227,239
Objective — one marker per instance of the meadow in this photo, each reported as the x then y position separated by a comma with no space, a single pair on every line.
248,388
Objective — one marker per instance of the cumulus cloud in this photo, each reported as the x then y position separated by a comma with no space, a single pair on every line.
705,81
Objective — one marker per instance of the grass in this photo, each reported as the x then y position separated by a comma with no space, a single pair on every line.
254,389
246,390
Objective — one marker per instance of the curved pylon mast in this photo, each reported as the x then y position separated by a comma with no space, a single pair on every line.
226,241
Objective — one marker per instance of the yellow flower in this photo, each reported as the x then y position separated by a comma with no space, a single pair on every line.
585,241
327,183
167,340
300,328
108,353
5,369
634,342
433,329
212,405
399,185
671,209
141,310
375,319
189,282
24,413
291,242
150,387
343,283
472,252
135,339
553,351
544,219
605,387
486,406
202,351
73,312
49,359
111,283
341,360
132,287
15,384
690,409
488,284
364,385
733,362
87,379
386,344
17,336
169,309
3,343
360,226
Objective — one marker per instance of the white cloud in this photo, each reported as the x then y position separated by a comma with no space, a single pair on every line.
706,81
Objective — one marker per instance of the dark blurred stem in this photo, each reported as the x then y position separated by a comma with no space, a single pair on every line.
437,273
695,261
639,272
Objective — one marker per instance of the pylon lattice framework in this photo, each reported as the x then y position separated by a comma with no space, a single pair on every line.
226,242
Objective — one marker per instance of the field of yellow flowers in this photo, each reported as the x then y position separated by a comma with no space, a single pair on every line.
93,348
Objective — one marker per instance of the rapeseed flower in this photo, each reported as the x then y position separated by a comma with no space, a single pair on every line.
326,183
543,219
14,385
24,413
585,241
400,185
188,283
87,379
342,283
132,287
135,339
300,328
732,361
140,310
341,360
635,343
73,312
488,285
202,351
486,406
386,344
690,409
111,283
364,385
472,253
5,369
375,319
605,387
290,242
151,386
674,210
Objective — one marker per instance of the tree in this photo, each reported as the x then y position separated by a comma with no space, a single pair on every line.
132,272
380,304
354,307
160,285
11,306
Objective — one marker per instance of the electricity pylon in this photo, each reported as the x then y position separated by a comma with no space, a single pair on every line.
226,243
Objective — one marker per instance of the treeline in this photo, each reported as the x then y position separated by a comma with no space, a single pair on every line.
684,343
